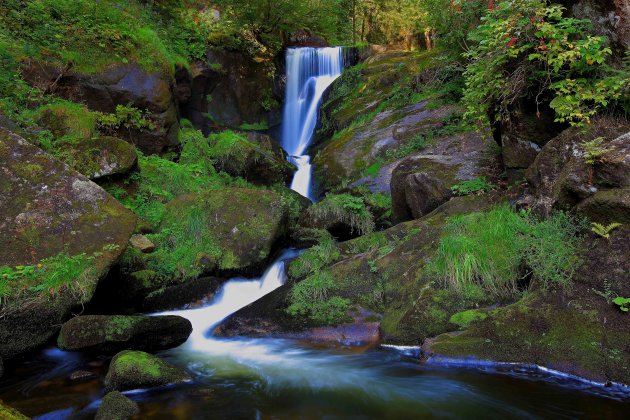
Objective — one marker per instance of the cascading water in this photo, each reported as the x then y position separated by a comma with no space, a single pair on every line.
310,71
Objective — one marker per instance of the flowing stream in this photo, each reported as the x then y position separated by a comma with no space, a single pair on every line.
275,378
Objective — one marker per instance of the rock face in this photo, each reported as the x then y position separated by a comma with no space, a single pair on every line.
115,406
100,157
578,331
610,18
126,84
423,181
138,370
262,161
245,224
47,208
563,180
142,244
303,38
104,333
231,89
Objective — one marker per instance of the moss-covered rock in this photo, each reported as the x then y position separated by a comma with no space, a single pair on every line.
8,413
105,333
240,227
50,209
99,157
138,370
115,406
577,330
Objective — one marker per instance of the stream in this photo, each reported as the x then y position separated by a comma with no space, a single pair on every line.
286,379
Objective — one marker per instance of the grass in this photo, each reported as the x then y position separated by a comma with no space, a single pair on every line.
314,259
312,298
345,208
505,252
472,186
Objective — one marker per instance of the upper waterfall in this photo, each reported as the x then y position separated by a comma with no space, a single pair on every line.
310,71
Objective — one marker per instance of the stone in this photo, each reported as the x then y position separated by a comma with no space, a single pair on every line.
100,157
48,208
138,370
142,244
82,375
111,333
115,406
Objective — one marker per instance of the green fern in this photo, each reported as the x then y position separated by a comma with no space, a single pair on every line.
594,150
604,231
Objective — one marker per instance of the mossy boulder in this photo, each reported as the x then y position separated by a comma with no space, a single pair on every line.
115,406
104,333
423,181
8,413
577,330
241,227
99,157
69,120
49,209
561,177
138,370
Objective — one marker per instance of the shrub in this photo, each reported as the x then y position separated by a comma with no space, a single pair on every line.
500,249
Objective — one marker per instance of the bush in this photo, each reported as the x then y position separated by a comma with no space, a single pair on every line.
500,249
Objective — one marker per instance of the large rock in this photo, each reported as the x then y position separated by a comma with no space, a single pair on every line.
231,89
115,406
48,208
123,84
577,330
562,179
260,160
100,157
138,370
610,18
423,181
244,226
105,333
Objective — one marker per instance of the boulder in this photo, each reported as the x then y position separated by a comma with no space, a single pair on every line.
610,18
47,209
242,226
120,84
100,157
8,413
115,406
231,89
138,370
343,215
104,333
423,181
561,178
182,295
142,244
260,160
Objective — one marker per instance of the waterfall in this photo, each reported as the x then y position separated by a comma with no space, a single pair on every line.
310,71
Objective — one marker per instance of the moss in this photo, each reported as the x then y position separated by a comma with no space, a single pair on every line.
465,318
137,369
115,406
8,413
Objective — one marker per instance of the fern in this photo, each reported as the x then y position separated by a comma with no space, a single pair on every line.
604,231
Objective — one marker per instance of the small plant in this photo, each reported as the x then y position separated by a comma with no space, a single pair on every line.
594,151
604,231
125,116
472,186
622,303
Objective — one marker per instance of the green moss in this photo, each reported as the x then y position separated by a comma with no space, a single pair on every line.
8,413
465,318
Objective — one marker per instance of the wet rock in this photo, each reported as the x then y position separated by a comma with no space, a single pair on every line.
123,84
47,209
104,333
302,38
183,295
100,157
8,413
138,370
142,244
423,181
115,406
562,179
82,375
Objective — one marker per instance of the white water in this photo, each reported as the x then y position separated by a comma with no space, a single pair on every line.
310,71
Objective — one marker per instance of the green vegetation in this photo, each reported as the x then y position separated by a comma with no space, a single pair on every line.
530,48
594,151
465,318
125,116
604,231
622,303
500,250
315,258
311,298
345,208
472,186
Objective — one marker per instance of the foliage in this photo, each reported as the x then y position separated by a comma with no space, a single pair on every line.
311,298
594,151
315,258
622,303
529,48
125,116
499,249
472,186
347,209
604,231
